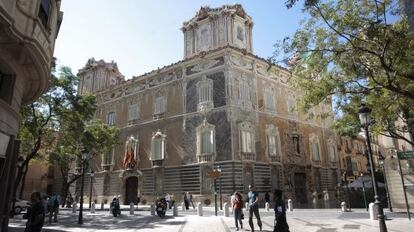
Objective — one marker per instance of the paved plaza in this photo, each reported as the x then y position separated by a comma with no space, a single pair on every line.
300,220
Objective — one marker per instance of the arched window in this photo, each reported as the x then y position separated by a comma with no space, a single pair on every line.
315,148
158,146
205,94
273,142
206,144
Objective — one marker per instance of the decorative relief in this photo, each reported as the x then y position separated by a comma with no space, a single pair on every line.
240,62
205,65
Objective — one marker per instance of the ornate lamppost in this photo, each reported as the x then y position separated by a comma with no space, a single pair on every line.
85,155
215,174
90,189
381,162
365,120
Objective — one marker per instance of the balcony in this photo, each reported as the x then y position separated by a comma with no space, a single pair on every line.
157,163
248,156
205,157
316,162
274,159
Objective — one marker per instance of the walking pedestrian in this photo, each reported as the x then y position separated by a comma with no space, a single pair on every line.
35,214
186,201
231,201
253,198
168,200
53,208
237,205
190,198
280,213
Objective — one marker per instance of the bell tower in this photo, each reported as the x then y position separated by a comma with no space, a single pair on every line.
212,28
98,75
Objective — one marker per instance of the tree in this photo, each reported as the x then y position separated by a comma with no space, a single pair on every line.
350,52
59,125
77,130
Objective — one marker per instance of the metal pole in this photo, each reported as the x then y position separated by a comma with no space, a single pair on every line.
90,192
404,190
221,198
215,196
365,197
80,218
386,186
381,218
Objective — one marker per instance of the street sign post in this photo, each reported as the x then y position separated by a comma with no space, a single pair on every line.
215,174
404,155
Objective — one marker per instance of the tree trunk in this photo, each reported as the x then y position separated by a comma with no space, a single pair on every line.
64,193
26,168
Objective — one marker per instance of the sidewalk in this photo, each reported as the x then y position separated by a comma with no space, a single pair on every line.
303,220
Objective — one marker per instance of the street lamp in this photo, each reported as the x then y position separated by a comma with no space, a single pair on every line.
363,190
221,198
365,120
84,158
90,190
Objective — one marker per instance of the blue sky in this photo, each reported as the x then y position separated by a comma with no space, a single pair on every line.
144,35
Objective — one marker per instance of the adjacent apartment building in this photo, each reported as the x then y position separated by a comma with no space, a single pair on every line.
220,108
28,30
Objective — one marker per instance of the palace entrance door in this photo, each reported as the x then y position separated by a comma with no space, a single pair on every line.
300,190
131,190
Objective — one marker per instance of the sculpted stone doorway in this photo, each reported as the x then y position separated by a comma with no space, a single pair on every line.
131,190
300,190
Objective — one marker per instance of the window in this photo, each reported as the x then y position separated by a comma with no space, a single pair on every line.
315,148
247,141
110,118
240,34
205,94
333,153
44,12
244,91
158,146
159,105
6,88
269,99
272,140
133,111
205,138
291,105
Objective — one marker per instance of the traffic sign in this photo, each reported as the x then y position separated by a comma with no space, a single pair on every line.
405,155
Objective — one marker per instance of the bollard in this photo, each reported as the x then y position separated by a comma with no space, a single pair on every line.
199,209
290,205
131,208
152,209
315,200
226,210
326,200
75,204
247,206
182,206
343,206
93,207
102,206
373,211
267,206
175,210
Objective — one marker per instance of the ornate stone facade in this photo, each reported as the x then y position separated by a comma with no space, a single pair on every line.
222,107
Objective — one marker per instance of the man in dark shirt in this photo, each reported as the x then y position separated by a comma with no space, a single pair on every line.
35,214
253,198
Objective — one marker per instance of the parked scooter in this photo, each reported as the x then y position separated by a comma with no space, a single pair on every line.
115,207
161,207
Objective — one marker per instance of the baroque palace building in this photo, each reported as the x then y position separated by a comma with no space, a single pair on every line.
221,107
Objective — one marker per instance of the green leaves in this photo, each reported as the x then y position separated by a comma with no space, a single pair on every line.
351,52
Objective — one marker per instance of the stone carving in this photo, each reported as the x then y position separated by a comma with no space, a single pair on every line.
210,63
239,62
130,157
